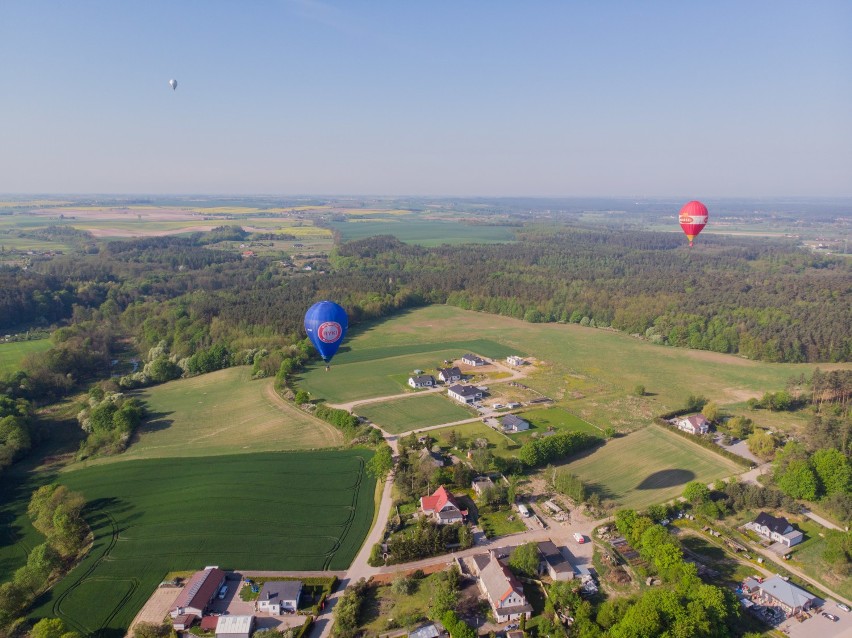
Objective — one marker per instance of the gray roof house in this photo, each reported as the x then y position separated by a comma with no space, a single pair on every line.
554,562
776,528
449,375
512,423
432,630
785,594
481,483
473,360
464,393
279,596
421,381
503,590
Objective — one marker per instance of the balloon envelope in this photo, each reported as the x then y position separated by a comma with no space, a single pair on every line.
693,218
326,324
173,84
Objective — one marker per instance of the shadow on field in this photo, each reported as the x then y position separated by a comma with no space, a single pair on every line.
603,492
666,478
156,421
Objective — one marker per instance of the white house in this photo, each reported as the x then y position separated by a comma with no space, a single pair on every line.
473,360
512,423
449,375
514,360
503,590
694,424
777,529
464,393
421,381
279,596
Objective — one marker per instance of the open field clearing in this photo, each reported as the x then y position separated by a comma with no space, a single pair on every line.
223,412
498,443
592,371
383,371
404,415
12,353
557,418
425,232
267,511
648,466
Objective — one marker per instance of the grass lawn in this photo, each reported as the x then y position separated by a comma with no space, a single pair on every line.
497,523
425,232
154,516
382,371
12,353
466,432
807,556
403,415
223,412
557,418
383,607
648,466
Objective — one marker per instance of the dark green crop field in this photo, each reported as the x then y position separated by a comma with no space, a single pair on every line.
425,232
266,511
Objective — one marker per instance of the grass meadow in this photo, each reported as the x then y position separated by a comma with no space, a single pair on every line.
557,418
382,371
404,415
425,232
265,511
12,353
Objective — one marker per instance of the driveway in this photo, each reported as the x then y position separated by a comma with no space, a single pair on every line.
819,625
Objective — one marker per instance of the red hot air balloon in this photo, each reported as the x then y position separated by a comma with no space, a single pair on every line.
693,218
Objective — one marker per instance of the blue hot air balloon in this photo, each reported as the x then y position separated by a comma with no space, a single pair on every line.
326,324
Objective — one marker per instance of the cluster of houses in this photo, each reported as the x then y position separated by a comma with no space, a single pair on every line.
196,599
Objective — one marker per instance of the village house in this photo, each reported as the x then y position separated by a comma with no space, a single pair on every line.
234,626
473,360
513,360
279,596
554,562
481,483
464,393
198,592
776,591
449,375
421,381
432,630
503,590
777,529
694,424
512,423
443,507
434,458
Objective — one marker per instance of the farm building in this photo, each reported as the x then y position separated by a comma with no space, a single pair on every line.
432,630
503,590
443,507
464,393
513,360
694,424
792,599
279,596
777,529
421,381
234,626
481,483
554,562
449,375
512,423
473,360
198,592
184,621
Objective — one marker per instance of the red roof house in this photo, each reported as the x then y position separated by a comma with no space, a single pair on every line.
443,507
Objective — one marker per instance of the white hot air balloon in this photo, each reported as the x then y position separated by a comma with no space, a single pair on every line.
173,84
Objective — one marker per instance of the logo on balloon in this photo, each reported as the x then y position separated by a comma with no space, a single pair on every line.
686,219
329,332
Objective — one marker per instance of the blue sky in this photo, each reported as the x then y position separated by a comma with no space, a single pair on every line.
710,99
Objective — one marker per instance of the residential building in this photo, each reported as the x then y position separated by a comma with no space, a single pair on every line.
792,599
464,393
554,561
449,375
198,592
776,529
443,507
504,592
421,381
513,360
473,360
432,457
694,424
432,630
279,596
234,626
512,423
481,483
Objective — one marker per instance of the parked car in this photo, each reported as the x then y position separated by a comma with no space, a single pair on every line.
579,538
831,617
223,591
843,606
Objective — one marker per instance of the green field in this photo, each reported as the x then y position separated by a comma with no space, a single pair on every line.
265,511
498,443
557,418
648,466
12,353
403,415
425,232
367,373
223,412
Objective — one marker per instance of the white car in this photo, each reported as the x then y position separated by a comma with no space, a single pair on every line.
843,606
579,538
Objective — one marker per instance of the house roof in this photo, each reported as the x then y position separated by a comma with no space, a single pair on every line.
200,588
697,420
499,582
426,631
209,622
511,421
465,390
434,456
277,590
554,557
481,482
423,378
234,624
450,372
777,524
439,499
184,619
786,592
472,357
